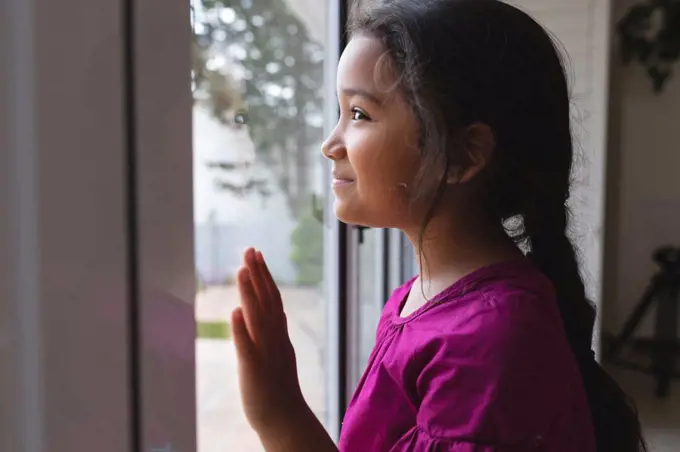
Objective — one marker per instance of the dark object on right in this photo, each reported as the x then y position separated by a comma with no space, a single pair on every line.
664,290
650,35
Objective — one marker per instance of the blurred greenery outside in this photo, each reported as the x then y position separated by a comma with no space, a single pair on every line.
213,330
256,65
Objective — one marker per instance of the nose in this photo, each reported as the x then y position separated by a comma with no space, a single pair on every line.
333,148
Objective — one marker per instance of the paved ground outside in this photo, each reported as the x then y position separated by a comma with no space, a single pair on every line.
222,426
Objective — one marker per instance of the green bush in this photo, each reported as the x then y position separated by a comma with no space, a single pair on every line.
212,330
307,250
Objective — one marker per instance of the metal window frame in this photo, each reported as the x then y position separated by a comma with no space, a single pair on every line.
344,306
135,370
63,247
159,213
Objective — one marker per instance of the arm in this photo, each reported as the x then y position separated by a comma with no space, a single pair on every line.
301,433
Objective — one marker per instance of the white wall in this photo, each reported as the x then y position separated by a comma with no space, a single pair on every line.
643,212
643,181
581,31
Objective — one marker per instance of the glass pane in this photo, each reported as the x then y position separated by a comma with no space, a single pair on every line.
259,180
371,273
410,260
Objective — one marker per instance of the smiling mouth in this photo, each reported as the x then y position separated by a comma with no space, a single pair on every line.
341,182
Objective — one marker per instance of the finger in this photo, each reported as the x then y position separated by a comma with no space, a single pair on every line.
285,324
242,341
256,278
249,303
271,287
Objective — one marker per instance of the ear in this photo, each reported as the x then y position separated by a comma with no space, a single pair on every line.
478,145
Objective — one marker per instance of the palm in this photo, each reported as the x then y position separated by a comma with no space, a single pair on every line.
268,378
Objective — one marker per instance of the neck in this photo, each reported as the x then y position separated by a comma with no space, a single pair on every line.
450,248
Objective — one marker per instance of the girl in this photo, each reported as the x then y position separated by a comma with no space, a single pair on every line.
454,128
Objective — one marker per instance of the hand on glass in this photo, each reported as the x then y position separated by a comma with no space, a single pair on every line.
270,388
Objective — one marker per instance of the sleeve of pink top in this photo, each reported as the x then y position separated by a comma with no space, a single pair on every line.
472,396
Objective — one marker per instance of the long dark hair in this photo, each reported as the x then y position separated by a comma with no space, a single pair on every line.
464,62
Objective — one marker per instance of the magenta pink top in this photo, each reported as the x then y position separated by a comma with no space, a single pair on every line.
484,366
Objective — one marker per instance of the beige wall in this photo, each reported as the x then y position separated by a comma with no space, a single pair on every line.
643,209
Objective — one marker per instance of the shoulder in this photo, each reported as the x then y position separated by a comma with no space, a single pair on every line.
493,322
485,360
496,361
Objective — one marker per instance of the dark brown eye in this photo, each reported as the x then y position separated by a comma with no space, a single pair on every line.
358,115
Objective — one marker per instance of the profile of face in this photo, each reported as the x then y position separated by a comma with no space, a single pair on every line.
374,144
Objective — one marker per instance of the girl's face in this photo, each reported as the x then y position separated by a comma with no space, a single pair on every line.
374,145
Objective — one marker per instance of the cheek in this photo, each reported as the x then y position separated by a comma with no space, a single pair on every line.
385,172
385,165
384,162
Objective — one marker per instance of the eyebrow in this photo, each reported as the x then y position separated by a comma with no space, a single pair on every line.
363,93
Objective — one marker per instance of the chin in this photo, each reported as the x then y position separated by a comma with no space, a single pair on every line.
354,215
347,213
342,211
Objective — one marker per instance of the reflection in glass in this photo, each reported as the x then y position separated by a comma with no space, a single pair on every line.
258,79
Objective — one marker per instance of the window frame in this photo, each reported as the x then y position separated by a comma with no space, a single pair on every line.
159,184
64,287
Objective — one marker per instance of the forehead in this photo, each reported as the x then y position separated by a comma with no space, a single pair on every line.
364,63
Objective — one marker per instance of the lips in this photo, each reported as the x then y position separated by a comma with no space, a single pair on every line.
339,178
342,183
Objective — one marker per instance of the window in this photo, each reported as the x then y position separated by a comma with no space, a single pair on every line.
371,294
385,262
260,87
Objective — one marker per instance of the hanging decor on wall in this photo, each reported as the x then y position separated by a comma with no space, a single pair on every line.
650,36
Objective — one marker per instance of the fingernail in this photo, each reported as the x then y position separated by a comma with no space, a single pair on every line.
250,255
260,257
237,314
